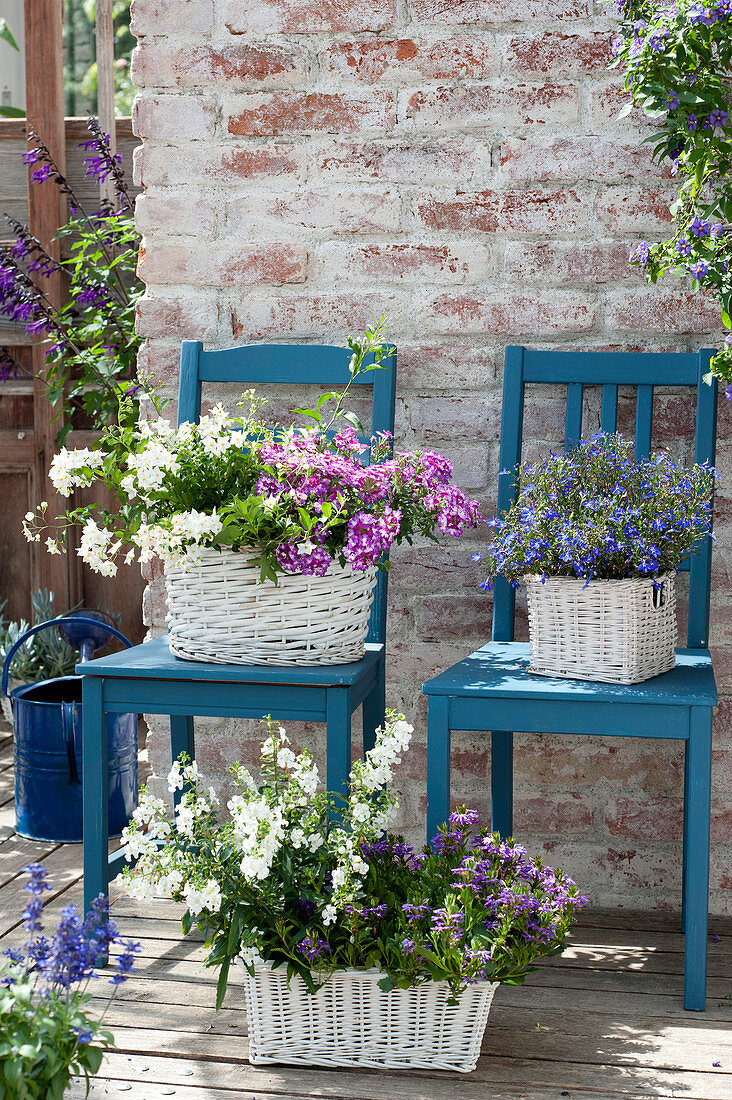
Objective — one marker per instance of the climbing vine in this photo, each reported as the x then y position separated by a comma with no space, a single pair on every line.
677,60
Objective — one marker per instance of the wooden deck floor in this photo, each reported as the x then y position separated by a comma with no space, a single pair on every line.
602,1021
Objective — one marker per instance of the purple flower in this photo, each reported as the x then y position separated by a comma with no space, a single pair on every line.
683,247
728,392
716,118
464,818
639,254
691,122
125,963
699,227
672,101
312,948
699,269
408,946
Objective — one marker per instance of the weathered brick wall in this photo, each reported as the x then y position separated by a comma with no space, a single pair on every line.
454,165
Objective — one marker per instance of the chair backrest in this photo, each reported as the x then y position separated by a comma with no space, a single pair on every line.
255,365
575,370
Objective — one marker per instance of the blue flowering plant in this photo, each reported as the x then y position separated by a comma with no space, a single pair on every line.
595,512
47,1032
676,58
300,879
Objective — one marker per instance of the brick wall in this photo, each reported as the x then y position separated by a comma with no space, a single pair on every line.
454,165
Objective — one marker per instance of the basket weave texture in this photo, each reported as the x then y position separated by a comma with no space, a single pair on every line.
219,612
613,631
351,1022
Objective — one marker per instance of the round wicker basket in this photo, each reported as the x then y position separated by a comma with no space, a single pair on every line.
613,631
219,612
350,1021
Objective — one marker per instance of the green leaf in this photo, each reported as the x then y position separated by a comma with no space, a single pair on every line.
353,420
327,397
311,413
726,319
221,984
7,35
624,111
94,1056
12,112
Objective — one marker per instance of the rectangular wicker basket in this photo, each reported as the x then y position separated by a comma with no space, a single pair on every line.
350,1021
613,631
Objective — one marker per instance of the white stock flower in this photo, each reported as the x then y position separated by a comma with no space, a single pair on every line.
207,896
329,914
297,836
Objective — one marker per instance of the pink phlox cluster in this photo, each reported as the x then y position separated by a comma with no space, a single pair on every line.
313,561
454,510
348,443
370,536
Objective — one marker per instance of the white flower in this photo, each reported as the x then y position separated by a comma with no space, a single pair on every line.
185,820
204,897
96,548
71,468
329,914
315,841
250,955
297,836
176,782
52,546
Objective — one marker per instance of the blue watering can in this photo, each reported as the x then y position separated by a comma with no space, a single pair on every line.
47,741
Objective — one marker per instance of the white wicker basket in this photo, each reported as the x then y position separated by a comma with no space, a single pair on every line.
219,612
351,1022
617,632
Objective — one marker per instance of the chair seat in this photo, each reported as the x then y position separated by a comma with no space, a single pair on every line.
500,670
153,661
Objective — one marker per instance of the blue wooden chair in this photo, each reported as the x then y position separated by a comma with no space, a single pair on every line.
492,689
148,679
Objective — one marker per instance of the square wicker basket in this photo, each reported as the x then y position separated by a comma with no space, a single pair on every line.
350,1021
613,631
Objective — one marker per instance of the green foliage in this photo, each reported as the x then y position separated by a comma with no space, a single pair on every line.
96,366
40,1046
677,60
46,654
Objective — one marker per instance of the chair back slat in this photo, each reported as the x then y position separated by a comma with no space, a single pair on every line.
575,371
292,364
512,429
643,422
609,408
573,417
700,566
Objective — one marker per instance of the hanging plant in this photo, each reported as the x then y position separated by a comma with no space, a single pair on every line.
677,59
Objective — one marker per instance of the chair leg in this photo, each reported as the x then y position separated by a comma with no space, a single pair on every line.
696,838
95,795
338,740
181,740
374,708
502,783
685,848
438,763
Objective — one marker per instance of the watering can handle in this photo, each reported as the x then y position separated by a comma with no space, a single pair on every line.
69,714
63,620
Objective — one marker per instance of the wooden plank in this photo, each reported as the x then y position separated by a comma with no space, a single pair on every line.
17,852
511,1032
492,1074
64,869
